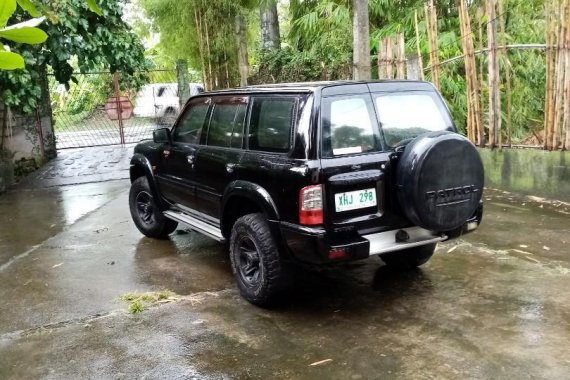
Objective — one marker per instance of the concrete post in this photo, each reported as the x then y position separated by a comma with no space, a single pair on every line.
45,117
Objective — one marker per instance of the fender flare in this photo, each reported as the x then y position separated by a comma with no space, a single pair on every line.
253,192
141,162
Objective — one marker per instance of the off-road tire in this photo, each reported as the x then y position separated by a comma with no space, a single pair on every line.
410,258
145,212
253,231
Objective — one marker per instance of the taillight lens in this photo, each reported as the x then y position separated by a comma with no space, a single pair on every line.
311,205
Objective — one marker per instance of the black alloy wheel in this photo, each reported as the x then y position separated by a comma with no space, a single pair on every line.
249,262
145,212
144,206
255,259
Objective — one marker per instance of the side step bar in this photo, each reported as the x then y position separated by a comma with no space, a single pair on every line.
196,225
384,242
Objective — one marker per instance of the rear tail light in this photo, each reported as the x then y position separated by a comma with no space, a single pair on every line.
311,205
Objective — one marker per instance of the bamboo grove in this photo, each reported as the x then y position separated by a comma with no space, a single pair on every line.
488,73
502,65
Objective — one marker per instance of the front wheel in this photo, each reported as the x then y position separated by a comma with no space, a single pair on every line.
145,212
255,260
409,258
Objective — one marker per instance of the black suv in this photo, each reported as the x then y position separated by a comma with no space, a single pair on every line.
316,173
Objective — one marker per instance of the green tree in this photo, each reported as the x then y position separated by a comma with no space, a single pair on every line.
93,41
201,32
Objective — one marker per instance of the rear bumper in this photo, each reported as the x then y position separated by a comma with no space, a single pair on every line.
313,245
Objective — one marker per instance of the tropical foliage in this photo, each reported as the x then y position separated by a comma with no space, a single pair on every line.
79,39
24,32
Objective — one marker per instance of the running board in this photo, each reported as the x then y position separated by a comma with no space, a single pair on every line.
196,225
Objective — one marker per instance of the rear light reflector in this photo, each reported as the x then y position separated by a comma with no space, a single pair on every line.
311,205
337,253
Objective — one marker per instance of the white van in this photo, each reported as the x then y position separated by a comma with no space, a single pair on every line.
160,100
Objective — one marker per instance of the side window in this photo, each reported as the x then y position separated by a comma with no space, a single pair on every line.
160,92
222,124
190,125
271,124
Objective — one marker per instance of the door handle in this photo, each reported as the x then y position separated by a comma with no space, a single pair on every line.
230,168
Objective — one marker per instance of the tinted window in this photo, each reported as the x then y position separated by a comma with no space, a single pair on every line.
271,124
226,125
403,116
349,126
190,125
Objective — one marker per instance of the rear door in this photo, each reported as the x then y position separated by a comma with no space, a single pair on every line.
269,141
354,161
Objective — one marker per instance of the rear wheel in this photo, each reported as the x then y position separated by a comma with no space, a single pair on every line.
409,258
255,260
145,212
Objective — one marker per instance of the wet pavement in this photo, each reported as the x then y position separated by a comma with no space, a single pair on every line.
82,165
493,304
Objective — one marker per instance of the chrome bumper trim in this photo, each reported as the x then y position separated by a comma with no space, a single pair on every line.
383,242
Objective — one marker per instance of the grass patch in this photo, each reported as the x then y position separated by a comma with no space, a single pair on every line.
138,302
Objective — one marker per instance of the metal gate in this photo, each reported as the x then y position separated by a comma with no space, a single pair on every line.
99,109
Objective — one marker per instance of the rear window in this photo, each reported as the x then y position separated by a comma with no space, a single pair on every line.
404,116
349,126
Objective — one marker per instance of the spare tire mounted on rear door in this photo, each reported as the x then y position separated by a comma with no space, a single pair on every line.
439,180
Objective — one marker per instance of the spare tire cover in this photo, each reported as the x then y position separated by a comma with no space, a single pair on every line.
439,180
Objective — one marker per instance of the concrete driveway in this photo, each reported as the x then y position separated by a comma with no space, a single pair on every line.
494,304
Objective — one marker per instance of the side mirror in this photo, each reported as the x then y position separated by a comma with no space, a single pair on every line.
162,135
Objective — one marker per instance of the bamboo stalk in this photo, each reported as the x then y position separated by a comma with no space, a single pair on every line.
493,67
468,79
559,77
431,22
477,130
481,81
201,46
227,70
420,60
435,44
566,145
507,69
550,75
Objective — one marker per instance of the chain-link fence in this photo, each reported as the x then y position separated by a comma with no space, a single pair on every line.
100,109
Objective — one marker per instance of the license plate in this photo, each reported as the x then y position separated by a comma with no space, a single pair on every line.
354,200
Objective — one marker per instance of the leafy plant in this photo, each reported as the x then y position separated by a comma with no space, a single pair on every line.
23,32
78,40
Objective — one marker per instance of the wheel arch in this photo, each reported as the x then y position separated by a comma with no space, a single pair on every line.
244,197
141,167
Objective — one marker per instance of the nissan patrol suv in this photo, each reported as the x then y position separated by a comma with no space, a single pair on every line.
314,173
